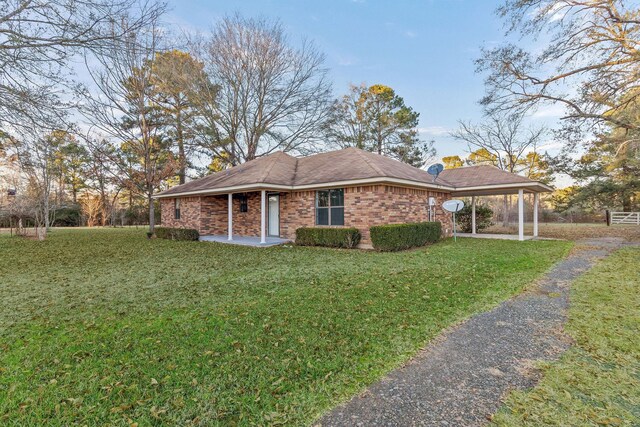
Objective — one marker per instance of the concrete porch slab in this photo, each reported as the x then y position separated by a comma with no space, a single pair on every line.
245,240
495,236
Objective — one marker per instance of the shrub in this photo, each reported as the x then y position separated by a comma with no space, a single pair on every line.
67,217
484,214
331,237
396,237
177,233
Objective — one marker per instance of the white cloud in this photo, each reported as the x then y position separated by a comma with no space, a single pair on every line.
549,111
411,34
434,130
347,60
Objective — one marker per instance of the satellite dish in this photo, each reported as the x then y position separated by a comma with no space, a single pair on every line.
435,170
453,205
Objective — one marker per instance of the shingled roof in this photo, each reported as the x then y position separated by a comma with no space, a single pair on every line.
280,171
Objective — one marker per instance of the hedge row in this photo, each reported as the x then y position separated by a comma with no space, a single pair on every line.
331,237
177,233
396,237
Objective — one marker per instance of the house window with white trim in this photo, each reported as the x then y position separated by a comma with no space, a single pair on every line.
330,207
176,208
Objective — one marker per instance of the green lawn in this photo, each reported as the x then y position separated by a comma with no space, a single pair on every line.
106,327
596,382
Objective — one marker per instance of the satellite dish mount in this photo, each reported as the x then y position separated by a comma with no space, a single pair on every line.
453,206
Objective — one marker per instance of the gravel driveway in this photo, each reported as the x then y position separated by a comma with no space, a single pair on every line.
460,378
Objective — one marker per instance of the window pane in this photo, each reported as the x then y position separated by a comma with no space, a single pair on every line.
322,216
337,216
323,198
337,197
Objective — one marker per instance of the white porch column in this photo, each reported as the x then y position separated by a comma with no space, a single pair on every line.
263,216
230,216
521,214
473,214
536,202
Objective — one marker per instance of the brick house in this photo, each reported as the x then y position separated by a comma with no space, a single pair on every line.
272,196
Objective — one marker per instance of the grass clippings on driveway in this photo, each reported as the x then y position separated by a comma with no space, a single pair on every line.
597,382
106,327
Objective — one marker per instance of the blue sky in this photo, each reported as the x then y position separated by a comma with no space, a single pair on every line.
423,49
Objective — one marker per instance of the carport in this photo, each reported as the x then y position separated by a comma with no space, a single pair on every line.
481,181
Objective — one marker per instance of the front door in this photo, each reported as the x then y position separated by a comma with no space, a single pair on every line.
274,215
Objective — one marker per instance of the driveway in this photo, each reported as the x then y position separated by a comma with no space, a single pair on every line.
460,379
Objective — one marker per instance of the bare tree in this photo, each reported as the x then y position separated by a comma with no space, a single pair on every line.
37,41
590,65
502,140
123,108
271,96
36,155
102,177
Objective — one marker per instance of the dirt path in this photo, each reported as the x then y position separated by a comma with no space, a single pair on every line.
459,379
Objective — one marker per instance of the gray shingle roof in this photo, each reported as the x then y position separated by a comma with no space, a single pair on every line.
350,164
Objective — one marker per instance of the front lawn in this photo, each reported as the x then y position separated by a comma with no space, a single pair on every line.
106,327
597,382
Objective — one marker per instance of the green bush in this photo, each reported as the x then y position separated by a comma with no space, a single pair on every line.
396,237
331,237
484,214
177,233
67,217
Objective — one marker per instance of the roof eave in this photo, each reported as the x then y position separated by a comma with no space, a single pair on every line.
344,183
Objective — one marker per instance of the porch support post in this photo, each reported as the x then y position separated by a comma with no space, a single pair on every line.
473,214
520,214
263,216
536,203
230,216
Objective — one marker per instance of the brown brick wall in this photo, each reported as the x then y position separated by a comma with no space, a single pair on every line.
189,213
364,206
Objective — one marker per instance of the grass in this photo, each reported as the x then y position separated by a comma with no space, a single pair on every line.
105,327
596,382
572,231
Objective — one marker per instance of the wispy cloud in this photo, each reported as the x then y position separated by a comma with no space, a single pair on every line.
434,130
347,60
549,111
411,34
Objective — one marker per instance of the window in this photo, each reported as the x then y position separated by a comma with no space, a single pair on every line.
244,205
330,207
176,208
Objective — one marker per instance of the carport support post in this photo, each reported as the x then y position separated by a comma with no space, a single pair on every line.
536,202
520,214
230,216
263,216
473,214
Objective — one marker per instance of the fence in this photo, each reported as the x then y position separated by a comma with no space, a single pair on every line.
625,218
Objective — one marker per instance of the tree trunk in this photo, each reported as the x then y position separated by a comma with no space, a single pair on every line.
182,158
505,211
152,216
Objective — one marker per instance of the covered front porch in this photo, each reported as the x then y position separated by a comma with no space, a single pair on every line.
521,191
249,218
